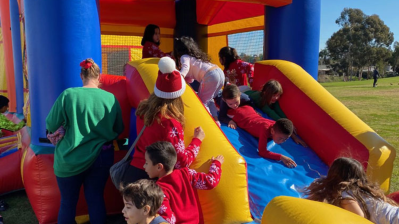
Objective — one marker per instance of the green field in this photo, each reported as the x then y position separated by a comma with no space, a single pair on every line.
378,107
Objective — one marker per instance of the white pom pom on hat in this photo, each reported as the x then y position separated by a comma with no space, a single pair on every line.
166,65
170,84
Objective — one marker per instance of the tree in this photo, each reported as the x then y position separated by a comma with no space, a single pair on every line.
361,41
251,58
394,60
324,57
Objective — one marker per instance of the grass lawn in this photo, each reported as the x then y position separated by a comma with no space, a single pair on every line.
21,212
378,107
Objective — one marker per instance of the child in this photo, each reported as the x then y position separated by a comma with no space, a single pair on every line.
195,65
4,122
163,115
267,101
180,204
151,42
237,71
347,186
92,118
142,199
245,117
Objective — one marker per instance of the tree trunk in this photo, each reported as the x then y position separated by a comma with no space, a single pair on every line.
368,72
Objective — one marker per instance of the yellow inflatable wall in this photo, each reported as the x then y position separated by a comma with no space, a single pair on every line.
289,210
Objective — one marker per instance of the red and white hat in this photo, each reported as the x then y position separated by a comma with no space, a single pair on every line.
170,84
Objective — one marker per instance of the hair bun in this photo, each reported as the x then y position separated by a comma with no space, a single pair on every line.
85,64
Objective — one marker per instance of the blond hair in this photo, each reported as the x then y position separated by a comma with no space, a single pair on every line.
154,108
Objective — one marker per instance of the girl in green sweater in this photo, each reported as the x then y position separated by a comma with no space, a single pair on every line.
92,119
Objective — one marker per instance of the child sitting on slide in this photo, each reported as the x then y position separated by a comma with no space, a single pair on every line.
4,122
142,199
180,203
241,114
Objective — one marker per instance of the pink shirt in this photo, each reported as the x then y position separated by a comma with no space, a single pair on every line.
192,68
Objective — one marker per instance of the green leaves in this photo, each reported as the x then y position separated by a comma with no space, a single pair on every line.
361,41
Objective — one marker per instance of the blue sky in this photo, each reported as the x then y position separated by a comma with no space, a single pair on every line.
388,10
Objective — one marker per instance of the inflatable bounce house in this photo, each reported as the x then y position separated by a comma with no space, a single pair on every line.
44,41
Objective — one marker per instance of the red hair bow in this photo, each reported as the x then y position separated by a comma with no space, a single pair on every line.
86,65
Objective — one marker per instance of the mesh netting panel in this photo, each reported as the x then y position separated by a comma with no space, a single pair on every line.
249,45
117,51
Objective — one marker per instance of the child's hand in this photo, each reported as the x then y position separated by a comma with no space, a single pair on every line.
297,140
288,161
219,158
199,133
232,124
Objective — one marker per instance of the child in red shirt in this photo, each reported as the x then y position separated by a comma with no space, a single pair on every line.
151,42
180,203
245,117
163,115
237,72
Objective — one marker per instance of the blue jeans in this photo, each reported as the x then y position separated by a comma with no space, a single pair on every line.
93,180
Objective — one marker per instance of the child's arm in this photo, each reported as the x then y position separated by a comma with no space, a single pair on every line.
277,109
263,152
166,212
207,181
57,115
9,125
175,135
223,113
185,65
154,51
352,206
262,147
297,140
249,70
270,112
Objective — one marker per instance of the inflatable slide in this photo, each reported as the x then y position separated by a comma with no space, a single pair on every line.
310,107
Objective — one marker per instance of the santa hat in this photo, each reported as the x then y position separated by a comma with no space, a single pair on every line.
170,84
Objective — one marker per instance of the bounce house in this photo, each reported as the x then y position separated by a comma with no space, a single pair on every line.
44,41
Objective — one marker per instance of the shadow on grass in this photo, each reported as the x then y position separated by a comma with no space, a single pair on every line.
20,211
